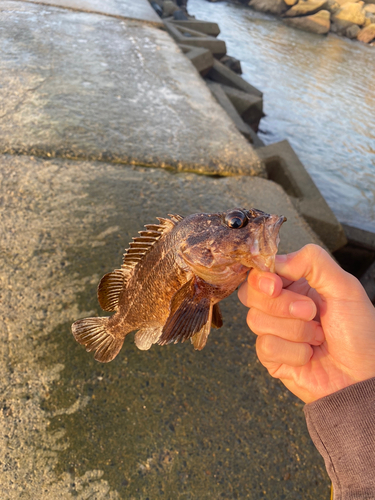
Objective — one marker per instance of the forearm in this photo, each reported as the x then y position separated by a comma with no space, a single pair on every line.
342,427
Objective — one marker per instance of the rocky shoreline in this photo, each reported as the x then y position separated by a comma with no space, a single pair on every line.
350,18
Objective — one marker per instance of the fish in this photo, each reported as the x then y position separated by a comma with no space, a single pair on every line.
173,276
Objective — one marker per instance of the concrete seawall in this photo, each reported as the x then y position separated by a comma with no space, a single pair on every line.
105,125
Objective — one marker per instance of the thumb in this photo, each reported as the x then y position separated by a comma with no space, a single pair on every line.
314,264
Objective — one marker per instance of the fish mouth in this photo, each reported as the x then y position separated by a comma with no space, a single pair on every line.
265,244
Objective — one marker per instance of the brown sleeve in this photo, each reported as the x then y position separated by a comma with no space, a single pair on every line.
342,427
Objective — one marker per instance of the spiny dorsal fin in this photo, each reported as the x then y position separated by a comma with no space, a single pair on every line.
147,239
175,217
109,289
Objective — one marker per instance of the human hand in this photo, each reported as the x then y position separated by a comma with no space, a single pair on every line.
314,322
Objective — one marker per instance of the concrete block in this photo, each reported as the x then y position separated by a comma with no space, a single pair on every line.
284,167
249,106
232,63
191,37
221,74
368,282
63,225
227,105
360,237
89,107
201,58
211,29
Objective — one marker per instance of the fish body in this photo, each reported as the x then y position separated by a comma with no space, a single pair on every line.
173,276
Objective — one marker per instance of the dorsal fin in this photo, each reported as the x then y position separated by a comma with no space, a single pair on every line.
142,244
110,287
175,217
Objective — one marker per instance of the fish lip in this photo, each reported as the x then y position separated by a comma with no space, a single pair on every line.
268,241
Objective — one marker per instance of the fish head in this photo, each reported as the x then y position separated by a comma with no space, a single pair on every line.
218,246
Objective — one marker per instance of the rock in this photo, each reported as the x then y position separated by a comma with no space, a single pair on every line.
369,8
350,13
332,6
367,35
317,23
306,7
169,8
342,2
232,63
352,31
277,7
290,3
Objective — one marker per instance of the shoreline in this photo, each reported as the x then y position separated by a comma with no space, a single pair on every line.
352,19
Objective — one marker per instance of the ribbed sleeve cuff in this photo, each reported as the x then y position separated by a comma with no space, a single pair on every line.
342,427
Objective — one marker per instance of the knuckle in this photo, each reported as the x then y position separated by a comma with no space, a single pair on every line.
313,251
265,347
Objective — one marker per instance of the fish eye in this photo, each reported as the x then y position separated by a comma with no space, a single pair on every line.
235,219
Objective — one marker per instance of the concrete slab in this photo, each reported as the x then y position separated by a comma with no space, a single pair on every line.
166,423
284,167
83,85
140,10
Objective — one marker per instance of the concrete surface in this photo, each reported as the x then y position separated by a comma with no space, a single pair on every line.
129,9
284,167
82,85
167,423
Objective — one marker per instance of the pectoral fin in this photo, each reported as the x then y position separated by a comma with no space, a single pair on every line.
199,339
189,312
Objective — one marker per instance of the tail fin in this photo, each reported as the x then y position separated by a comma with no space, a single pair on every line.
94,334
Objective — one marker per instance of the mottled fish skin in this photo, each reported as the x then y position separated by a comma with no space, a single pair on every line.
173,276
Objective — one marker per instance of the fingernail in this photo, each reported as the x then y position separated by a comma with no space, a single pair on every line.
303,309
266,286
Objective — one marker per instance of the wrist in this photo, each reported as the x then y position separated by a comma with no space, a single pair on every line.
342,427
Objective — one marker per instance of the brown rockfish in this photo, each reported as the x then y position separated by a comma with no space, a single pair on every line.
173,276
